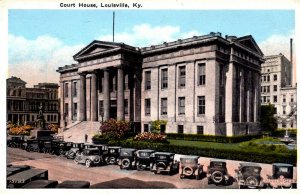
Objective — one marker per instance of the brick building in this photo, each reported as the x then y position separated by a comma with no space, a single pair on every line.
205,84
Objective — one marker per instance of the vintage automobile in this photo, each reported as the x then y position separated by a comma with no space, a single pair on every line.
282,176
75,150
21,178
51,147
89,156
34,145
190,167
248,175
127,158
15,141
217,172
143,160
113,154
64,147
164,162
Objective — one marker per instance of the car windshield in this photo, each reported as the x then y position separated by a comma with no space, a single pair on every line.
283,169
91,152
144,154
162,157
124,153
218,164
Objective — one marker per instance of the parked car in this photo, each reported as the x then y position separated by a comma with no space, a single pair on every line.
76,149
127,158
190,167
15,141
143,159
217,172
164,162
282,176
34,145
89,156
51,147
113,154
64,147
248,175
101,147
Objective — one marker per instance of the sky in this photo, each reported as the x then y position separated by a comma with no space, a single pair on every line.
40,41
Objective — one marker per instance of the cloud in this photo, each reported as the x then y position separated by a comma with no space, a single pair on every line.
145,35
36,60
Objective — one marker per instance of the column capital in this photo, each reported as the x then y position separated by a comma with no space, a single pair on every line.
82,73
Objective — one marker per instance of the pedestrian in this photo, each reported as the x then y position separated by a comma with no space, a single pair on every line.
85,137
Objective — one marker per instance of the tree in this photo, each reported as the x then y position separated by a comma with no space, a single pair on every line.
155,125
267,119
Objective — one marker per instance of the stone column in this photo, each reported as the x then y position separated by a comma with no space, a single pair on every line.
62,102
120,94
242,99
82,98
94,112
106,95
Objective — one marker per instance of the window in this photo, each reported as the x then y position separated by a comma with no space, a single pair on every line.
268,88
180,129
164,78
164,106
283,110
275,99
147,106
283,98
75,111
181,105
265,78
146,128
268,78
126,107
200,129
66,109
101,111
66,90
275,77
222,79
201,105
181,76
147,80
126,82
201,74
75,89
162,129
48,118
292,98
268,98
275,88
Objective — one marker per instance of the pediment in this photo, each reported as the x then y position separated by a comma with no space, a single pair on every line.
94,48
249,42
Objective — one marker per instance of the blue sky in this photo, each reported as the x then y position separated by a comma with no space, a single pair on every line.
47,39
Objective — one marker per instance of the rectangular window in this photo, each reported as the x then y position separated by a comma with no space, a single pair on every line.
181,105
200,129
147,106
275,99
292,98
268,88
275,77
126,107
201,74
283,110
147,80
74,89
181,76
66,110
268,98
275,88
101,111
66,90
222,79
75,111
180,129
146,128
201,105
268,78
164,78
164,106
48,118
126,86
283,98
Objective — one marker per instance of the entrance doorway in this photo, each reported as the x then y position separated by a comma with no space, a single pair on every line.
113,109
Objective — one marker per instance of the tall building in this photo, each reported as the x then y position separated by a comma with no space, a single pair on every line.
23,103
205,84
277,89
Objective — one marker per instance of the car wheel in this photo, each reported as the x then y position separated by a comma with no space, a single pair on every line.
61,152
217,177
44,150
96,159
125,163
188,171
76,160
31,149
251,182
112,160
88,163
13,145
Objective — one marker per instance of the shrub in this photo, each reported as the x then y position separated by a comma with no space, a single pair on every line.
151,137
53,127
155,125
113,129
20,130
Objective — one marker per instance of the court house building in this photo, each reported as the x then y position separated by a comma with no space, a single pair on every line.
204,84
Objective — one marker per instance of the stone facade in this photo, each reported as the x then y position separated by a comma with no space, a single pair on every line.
277,89
23,103
204,84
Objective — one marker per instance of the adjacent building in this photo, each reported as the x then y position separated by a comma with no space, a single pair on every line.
205,84
23,103
277,89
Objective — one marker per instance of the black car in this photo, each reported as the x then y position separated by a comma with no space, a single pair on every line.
52,147
15,141
34,145
282,176
248,175
190,167
127,158
75,150
164,162
217,172
143,159
64,147
113,155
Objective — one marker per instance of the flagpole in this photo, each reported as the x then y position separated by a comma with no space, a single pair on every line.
113,26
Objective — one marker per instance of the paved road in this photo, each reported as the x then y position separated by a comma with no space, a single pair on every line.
111,176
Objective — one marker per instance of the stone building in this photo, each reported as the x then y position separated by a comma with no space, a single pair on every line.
205,84
277,89
23,103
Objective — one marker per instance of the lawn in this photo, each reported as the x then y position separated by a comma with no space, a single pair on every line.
202,144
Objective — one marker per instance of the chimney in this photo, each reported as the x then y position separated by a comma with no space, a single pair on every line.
291,59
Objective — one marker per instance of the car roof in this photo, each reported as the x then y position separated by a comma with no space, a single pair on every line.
164,153
146,150
114,147
128,149
243,164
189,157
91,149
282,164
217,160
